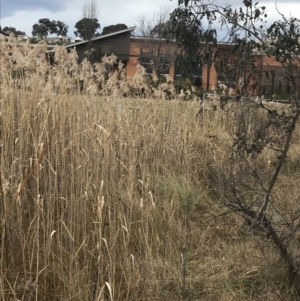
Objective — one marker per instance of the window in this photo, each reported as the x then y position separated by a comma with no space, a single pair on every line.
273,79
288,88
163,64
280,85
147,63
228,74
267,75
195,76
197,71
160,63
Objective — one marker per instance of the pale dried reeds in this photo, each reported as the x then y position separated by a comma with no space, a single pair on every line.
31,63
106,197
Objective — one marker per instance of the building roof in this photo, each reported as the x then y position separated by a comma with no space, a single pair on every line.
57,38
103,36
225,44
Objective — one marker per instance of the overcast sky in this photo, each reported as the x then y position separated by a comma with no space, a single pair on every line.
22,14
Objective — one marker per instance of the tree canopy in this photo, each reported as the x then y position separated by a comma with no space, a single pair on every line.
9,29
163,30
3,32
114,28
61,28
86,28
196,42
44,27
196,25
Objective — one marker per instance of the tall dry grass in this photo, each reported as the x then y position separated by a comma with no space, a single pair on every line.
104,197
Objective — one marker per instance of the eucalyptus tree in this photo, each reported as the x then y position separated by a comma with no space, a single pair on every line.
245,182
199,24
44,27
86,28
88,25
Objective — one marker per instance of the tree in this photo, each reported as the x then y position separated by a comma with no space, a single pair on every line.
196,44
163,29
61,28
9,29
3,32
88,25
244,182
39,30
114,28
86,28
156,53
245,28
44,27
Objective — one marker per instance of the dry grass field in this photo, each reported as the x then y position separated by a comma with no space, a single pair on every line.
105,197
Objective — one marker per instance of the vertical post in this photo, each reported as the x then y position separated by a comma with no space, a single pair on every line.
245,67
208,71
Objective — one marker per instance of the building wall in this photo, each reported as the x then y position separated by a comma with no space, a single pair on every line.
273,78
128,49
136,46
133,60
118,44
209,77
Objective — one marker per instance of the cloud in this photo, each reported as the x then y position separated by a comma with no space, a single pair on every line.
11,7
22,14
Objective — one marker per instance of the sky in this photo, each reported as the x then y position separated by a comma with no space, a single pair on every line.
22,14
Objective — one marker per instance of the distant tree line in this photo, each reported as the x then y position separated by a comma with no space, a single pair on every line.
86,28
8,29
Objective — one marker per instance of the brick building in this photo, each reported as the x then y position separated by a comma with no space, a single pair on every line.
159,57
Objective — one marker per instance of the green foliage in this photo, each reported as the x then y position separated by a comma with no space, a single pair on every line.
39,30
114,28
190,196
86,28
187,86
61,28
14,30
3,32
163,30
245,27
195,43
44,27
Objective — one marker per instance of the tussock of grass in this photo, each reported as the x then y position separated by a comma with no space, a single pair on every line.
107,198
